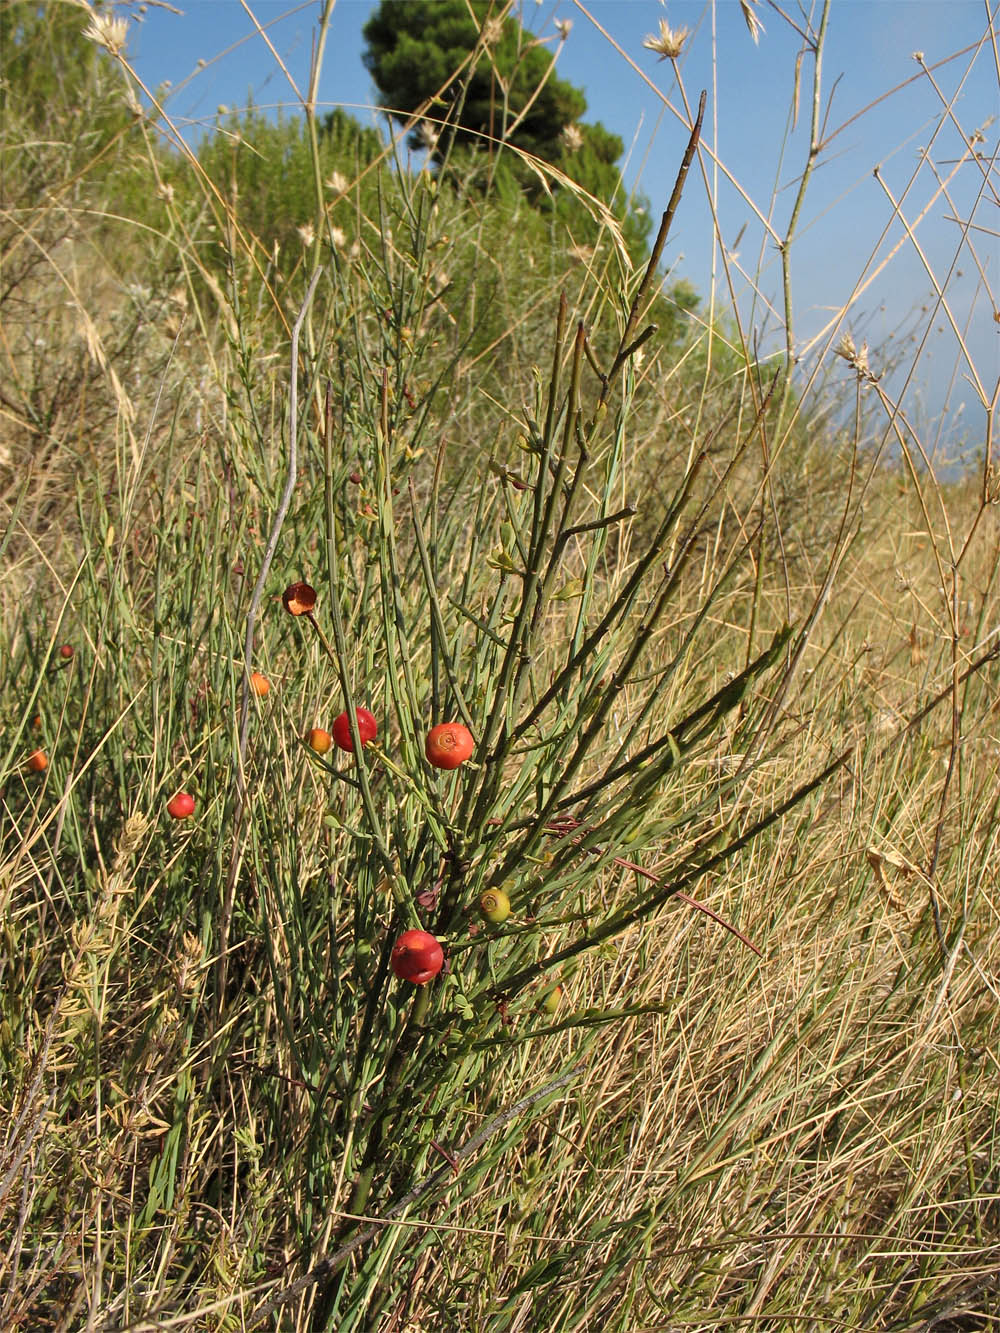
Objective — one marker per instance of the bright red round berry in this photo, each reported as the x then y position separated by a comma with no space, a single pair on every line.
417,957
367,729
181,805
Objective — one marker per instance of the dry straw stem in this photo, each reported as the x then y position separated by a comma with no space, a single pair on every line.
820,138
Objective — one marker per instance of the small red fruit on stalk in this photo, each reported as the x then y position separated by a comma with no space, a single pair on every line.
367,728
416,957
298,599
181,805
38,761
66,651
319,740
449,744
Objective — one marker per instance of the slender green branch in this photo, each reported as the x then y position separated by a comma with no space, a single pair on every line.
329,1265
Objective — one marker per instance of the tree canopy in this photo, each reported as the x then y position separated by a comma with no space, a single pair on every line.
506,92
416,46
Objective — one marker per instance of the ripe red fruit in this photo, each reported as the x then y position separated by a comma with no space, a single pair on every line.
367,728
298,599
38,761
259,684
449,744
319,740
181,805
416,957
66,651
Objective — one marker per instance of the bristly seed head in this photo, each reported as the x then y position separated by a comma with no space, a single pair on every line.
668,42
107,31
753,22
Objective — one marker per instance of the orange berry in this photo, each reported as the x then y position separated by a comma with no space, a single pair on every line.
259,684
38,761
319,740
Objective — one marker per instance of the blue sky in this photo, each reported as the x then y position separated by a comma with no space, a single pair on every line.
869,50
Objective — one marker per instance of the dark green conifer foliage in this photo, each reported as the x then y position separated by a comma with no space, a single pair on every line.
415,47
508,94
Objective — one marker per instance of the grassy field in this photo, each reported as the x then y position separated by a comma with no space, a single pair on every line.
726,643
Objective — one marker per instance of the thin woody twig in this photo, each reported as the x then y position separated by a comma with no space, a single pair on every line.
653,878
625,347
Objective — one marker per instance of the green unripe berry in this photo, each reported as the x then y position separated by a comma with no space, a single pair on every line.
550,1001
494,906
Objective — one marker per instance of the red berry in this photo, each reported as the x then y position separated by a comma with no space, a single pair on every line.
449,744
38,761
298,599
416,957
367,728
66,651
181,805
